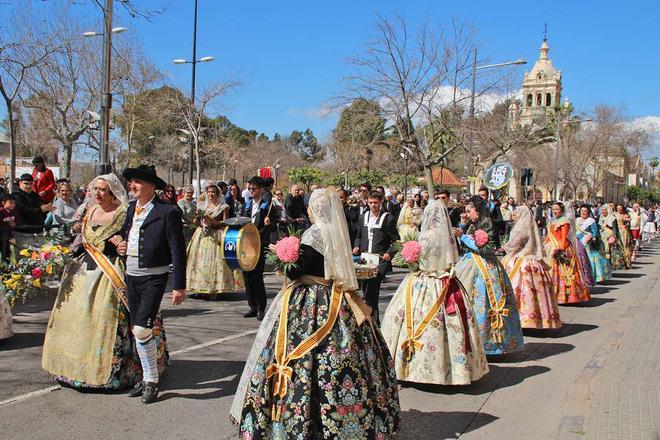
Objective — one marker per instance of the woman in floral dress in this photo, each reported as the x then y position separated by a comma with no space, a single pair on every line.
207,273
429,325
88,342
625,235
583,256
409,220
561,255
318,367
587,234
611,245
486,281
529,273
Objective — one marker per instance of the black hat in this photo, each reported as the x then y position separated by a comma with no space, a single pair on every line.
26,178
144,172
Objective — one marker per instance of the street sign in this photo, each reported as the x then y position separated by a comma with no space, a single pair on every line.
498,175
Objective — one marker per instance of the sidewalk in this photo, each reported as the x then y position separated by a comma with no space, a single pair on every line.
618,394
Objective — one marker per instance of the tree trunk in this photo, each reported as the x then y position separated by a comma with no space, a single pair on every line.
12,146
428,176
65,161
198,167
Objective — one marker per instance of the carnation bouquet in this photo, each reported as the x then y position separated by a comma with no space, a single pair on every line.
38,268
284,254
480,238
408,255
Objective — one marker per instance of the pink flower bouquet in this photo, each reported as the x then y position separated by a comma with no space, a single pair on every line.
411,251
285,253
480,238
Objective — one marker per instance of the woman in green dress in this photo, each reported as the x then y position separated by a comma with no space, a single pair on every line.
88,342
207,273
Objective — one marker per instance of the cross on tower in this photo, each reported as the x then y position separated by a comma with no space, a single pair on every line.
545,31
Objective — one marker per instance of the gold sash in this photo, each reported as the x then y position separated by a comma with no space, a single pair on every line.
497,311
412,343
108,269
516,268
280,369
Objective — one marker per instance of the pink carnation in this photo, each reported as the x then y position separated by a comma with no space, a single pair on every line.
480,238
410,252
46,255
37,272
611,240
288,249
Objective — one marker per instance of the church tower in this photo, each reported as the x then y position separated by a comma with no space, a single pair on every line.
541,91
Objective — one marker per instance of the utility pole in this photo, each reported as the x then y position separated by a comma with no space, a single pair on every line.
104,167
192,94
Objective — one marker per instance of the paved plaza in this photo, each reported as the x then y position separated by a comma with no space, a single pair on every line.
596,378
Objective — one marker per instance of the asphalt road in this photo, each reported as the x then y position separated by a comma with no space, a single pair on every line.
528,395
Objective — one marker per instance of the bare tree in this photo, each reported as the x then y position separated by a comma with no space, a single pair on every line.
14,70
195,116
63,89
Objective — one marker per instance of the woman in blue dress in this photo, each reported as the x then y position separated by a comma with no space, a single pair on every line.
587,233
487,282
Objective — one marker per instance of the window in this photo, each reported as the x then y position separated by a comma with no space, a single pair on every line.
530,99
548,99
539,100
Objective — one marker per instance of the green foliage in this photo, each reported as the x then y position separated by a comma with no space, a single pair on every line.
306,144
373,177
641,195
361,123
306,175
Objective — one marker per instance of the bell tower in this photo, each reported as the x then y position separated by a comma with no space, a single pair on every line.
541,90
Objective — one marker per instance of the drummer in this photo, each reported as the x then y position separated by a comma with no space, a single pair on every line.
259,209
375,237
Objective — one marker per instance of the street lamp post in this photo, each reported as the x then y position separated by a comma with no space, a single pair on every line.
472,98
104,167
559,123
193,62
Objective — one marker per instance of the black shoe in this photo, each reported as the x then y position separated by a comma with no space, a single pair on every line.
150,392
136,390
260,315
251,314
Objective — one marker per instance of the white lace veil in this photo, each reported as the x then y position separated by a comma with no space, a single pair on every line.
329,236
569,212
116,187
525,238
439,250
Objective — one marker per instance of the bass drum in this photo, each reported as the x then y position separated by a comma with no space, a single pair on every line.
241,244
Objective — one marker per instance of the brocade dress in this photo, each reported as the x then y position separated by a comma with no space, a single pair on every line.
489,288
567,276
587,233
343,387
439,343
88,342
207,272
610,245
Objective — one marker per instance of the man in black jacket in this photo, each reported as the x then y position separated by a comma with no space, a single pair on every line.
31,212
376,234
263,216
294,207
152,240
352,214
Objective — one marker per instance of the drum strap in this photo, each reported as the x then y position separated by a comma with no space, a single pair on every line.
412,343
497,311
280,370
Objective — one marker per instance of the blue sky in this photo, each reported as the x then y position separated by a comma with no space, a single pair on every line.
289,54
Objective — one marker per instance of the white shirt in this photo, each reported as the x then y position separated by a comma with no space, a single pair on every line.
373,222
133,244
255,209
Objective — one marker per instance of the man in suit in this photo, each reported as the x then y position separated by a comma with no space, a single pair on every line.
152,240
294,206
376,234
352,214
263,217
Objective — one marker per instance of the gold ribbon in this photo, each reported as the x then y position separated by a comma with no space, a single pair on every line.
411,344
516,268
117,281
497,311
279,369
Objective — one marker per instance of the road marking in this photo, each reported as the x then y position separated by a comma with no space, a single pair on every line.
30,394
214,342
41,392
